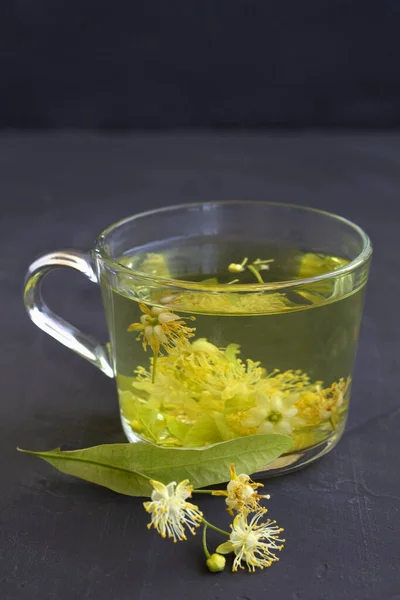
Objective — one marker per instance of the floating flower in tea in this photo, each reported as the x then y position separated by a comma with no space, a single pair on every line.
277,414
159,327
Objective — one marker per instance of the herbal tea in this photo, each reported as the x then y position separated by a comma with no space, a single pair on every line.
208,364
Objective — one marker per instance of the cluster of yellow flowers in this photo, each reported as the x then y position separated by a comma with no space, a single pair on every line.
207,394
252,541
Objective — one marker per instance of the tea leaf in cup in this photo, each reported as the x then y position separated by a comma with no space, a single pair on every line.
204,432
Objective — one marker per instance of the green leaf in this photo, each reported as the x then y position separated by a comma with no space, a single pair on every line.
100,465
155,264
177,429
128,406
127,468
313,264
203,433
225,548
140,393
239,403
307,438
151,424
225,431
210,281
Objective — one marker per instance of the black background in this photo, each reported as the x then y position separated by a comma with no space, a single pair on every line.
199,63
64,539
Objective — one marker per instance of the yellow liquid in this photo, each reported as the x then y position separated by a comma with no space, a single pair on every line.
233,365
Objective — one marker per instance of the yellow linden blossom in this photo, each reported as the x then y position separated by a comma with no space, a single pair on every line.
155,264
320,404
228,303
200,383
241,494
159,327
222,396
170,513
275,414
222,379
199,377
253,542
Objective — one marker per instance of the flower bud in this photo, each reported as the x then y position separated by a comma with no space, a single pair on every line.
216,563
235,268
136,426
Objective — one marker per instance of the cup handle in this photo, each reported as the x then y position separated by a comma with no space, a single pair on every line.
83,344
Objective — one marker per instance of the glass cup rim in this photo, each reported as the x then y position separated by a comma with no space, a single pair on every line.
354,264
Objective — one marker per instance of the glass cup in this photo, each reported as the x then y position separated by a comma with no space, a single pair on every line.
225,320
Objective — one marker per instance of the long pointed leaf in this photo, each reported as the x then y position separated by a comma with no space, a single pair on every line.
88,465
127,468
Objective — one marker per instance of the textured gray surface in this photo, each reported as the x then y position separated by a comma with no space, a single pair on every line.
61,538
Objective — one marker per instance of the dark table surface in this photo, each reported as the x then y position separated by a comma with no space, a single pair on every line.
65,539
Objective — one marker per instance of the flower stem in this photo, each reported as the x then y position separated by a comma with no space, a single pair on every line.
211,526
255,273
153,372
204,491
260,261
204,538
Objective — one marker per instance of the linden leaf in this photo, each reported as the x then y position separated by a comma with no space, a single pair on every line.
101,465
239,403
307,438
152,425
155,264
313,264
204,432
140,393
177,428
128,468
225,431
129,408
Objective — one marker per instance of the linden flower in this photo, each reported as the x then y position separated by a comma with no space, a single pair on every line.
170,513
160,327
241,493
253,543
273,415
321,405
